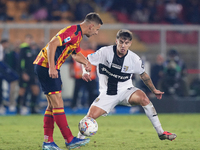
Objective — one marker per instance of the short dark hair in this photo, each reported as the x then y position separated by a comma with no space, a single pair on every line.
4,41
93,17
124,34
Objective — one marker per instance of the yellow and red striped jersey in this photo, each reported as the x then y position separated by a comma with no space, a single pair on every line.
70,38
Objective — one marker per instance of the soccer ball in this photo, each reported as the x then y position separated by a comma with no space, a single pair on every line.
88,126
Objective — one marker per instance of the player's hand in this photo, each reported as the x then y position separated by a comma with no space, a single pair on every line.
88,66
86,77
53,73
158,93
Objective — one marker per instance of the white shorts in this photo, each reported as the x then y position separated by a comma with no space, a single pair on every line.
108,102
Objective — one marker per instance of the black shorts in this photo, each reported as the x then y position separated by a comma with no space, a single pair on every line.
49,85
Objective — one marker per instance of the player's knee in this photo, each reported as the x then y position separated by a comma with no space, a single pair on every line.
144,100
95,112
91,115
56,101
49,107
57,104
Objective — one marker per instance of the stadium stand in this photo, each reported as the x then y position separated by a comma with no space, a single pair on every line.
145,42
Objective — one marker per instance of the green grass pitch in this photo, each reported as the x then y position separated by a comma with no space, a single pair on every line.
116,132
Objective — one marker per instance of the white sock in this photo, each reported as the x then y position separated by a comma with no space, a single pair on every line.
80,136
153,117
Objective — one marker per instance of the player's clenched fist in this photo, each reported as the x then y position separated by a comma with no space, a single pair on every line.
53,73
88,66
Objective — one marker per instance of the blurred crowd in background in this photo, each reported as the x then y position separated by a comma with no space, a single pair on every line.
126,11
169,73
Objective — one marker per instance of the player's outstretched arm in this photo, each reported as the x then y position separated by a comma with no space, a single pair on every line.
79,57
85,75
148,82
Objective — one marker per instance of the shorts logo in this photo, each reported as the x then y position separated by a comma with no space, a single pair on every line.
97,99
67,39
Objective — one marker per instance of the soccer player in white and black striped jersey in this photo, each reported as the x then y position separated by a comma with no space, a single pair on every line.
115,66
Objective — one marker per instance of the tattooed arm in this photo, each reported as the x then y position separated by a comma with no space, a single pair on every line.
148,82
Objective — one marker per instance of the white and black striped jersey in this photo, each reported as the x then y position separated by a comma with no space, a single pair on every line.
115,72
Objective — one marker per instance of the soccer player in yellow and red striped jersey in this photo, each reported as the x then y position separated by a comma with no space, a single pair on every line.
47,67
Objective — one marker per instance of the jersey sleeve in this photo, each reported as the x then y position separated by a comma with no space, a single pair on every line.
65,36
78,49
95,58
64,39
139,65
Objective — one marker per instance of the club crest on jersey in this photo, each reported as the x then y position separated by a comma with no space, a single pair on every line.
97,99
125,68
67,39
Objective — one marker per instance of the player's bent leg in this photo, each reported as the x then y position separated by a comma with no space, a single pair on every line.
56,100
95,112
139,97
153,117
49,106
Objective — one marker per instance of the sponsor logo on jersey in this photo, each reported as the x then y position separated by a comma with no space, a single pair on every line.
67,39
121,77
114,75
116,66
125,68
